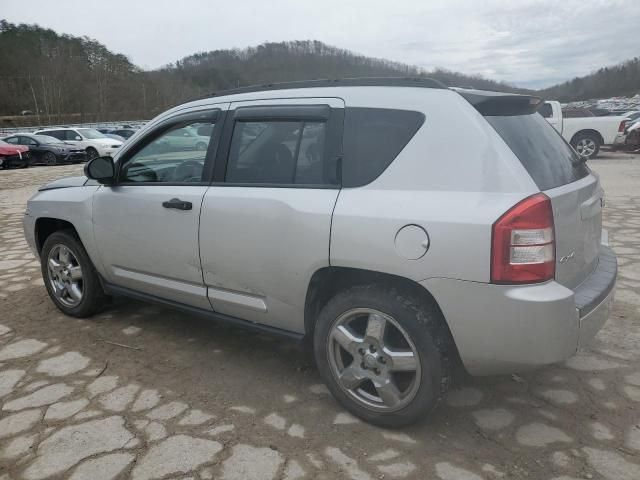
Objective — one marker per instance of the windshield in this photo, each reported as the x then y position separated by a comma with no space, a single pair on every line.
46,139
90,133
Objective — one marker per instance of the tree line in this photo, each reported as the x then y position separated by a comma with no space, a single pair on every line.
619,80
57,77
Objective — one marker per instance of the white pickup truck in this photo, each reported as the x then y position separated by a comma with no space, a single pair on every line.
585,134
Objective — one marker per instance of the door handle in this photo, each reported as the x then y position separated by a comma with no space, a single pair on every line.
177,204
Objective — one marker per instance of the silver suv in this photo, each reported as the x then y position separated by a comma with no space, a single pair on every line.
398,225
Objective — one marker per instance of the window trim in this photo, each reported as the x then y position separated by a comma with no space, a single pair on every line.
216,115
332,116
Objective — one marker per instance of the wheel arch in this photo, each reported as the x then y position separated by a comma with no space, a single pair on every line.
588,131
328,281
45,226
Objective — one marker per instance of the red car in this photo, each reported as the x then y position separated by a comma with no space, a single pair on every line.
14,155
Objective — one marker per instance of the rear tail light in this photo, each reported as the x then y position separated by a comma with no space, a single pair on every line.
523,249
623,125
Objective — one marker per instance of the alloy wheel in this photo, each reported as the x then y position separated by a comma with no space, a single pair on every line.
586,147
65,275
374,360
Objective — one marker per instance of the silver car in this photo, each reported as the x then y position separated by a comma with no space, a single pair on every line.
399,226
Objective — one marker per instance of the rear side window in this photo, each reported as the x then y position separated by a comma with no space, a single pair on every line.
373,138
59,134
278,152
550,161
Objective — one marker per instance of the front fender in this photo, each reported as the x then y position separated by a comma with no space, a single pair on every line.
71,204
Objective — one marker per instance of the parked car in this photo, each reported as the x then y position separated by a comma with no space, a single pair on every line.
351,214
115,137
632,117
92,141
48,150
586,134
14,156
123,132
182,139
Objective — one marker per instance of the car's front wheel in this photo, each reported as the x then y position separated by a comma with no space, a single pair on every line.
383,354
50,159
69,275
91,153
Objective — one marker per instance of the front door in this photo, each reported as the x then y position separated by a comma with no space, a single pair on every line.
266,220
146,225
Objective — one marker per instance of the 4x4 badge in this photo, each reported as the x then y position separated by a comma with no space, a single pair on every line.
566,258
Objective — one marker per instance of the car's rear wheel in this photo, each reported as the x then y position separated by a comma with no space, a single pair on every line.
383,354
91,153
50,158
586,144
69,276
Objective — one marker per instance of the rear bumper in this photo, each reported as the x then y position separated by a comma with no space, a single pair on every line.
620,139
504,329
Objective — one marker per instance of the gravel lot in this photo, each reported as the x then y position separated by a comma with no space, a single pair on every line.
143,392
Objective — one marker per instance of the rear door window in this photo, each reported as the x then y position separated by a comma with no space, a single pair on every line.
59,134
550,161
373,138
278,152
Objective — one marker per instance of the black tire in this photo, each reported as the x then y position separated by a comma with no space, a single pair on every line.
49,159
424,324
91,153
93,296
590,139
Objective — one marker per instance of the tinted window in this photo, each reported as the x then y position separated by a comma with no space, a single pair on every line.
171,157
71,135
278,152
27,141
546,110
373,138
13,140
59,134
550,161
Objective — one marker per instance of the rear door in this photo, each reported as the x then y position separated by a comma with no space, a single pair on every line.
575,193
266,219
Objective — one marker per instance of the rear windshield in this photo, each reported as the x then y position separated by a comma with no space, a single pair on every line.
550,161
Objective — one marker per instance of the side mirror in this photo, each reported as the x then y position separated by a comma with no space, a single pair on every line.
101,169
78,137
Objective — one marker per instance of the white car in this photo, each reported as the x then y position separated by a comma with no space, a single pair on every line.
585,134
92,141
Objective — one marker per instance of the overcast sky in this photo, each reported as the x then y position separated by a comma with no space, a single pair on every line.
529,43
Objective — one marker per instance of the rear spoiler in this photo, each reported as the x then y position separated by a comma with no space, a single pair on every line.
501,104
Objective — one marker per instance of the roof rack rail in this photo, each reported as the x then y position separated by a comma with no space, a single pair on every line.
422,82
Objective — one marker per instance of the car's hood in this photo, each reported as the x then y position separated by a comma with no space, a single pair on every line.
12,149
65,183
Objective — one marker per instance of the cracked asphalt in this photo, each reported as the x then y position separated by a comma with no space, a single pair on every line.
144,392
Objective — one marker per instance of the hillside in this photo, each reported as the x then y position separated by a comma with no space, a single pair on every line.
70,75
618,80
66,78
